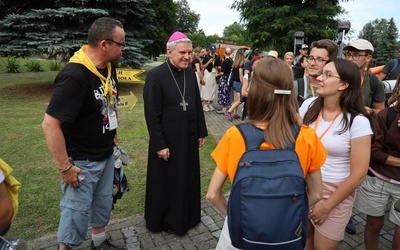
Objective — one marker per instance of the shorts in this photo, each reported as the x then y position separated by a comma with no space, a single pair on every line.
90,203
374,195
224,242
334,226
237,86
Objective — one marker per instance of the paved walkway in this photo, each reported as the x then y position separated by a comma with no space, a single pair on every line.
132,233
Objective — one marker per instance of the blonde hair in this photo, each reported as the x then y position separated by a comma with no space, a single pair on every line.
196,52
239,58
228,51
289,53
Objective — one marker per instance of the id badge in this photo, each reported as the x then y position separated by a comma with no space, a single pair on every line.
213,70
112,118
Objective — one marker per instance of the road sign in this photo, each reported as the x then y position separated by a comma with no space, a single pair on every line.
127,101
129,75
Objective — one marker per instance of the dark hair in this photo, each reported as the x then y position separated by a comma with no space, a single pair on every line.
327,44
350,100
276,109
101,29
395,95
255,58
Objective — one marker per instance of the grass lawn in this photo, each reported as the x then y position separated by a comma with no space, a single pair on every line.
23,101
22,64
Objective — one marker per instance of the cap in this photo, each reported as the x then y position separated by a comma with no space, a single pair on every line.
176,36
360,44
273,53
212,47
304,46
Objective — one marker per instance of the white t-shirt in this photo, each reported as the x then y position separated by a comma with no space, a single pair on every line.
337,165
1,176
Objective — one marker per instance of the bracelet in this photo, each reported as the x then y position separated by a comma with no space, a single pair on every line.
372,112
66,169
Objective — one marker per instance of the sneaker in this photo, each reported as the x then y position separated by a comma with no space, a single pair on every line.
205,108
350,227
13,244
229,115
236,116
106,245
221,111
210,106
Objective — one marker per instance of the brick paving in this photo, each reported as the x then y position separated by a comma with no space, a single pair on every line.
132,233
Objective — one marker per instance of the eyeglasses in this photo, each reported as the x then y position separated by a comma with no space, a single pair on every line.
354,56
327,74
118,43
318,60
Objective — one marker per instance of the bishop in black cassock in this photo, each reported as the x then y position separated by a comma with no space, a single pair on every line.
175,121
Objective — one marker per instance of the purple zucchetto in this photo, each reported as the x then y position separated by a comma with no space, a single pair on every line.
176,36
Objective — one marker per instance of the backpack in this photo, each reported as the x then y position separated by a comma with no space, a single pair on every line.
391,115
268,203
120,182
373,85
300,90
230,79
395,63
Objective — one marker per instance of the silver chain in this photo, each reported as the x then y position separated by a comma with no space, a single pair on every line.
184,82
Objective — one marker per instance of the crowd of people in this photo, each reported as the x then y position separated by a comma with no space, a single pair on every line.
347,142
342,101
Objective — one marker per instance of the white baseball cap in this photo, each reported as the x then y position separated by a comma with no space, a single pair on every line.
360,44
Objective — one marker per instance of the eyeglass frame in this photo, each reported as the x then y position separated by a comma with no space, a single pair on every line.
318,61
324,75
352,56
118,43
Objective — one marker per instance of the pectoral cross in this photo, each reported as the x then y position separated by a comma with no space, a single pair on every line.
183,103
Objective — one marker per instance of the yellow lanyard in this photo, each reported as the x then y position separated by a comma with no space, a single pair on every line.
312,89
326,130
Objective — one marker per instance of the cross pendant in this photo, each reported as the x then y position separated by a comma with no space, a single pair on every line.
183,103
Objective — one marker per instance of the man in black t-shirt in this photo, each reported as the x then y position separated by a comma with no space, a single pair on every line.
212,65
80,127
391,69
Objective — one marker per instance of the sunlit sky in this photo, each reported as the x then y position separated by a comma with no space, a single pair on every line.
215,15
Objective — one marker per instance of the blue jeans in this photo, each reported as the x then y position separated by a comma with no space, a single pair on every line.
91,202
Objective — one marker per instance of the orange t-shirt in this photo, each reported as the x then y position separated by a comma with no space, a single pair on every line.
311,152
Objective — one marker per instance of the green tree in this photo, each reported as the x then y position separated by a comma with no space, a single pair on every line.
392,37
58,28
165,25
234,29
383,36
199,39
367,32
188,20
271,24
236,33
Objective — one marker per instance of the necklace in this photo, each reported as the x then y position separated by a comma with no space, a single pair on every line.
183,103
